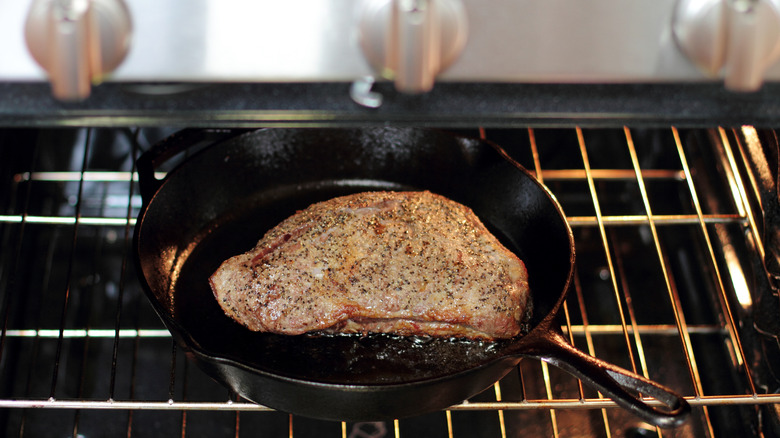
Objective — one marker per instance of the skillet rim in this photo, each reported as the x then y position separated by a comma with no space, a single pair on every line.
514,354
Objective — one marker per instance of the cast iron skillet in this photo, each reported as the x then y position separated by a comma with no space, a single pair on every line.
221,200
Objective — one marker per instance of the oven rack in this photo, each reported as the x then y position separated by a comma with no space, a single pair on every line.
534,387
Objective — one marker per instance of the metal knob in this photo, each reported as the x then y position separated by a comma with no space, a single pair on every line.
77,42
739,39
412,41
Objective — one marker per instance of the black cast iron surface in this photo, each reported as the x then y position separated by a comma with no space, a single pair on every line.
221,200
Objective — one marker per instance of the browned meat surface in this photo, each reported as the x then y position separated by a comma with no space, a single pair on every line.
411,263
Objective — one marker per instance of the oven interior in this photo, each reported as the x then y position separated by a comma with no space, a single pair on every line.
674,281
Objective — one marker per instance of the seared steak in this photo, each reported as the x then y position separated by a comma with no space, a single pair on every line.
411,263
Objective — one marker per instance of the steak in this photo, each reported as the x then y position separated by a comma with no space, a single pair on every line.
409,263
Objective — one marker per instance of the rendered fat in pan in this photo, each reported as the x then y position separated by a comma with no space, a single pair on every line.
220,200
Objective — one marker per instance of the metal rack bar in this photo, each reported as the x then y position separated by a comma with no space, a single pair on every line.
574,329
605,242
731,325
591,348
123,274
730,319
497,385
674,298
574,221
633,328
549,174
66,297
530,404
133,374
540,175
548,392
36,344
184,396
675,219
752,142
69,220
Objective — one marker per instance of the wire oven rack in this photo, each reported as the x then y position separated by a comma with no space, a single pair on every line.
663,287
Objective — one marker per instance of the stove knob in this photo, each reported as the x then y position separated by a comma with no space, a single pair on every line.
77,42
738,38
412,41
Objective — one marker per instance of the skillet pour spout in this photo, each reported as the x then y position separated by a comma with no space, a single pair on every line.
221,199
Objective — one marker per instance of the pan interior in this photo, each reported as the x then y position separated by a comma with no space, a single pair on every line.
338,359
210,213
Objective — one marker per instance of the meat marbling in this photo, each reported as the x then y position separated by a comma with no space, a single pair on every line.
410,263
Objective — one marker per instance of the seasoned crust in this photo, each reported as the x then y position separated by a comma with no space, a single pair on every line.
399,262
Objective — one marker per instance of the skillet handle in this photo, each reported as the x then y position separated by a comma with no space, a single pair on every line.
619,384
169,147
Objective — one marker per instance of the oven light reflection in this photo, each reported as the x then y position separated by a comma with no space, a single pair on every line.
91,333
738,280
